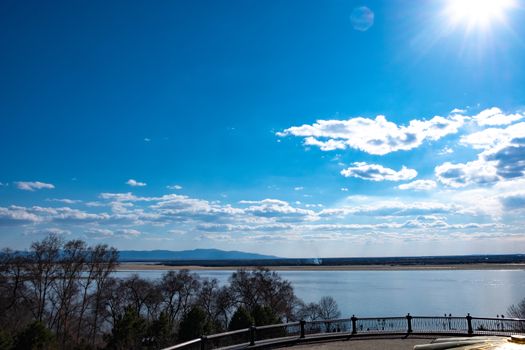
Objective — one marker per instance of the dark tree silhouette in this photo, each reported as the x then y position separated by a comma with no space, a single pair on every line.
129,331
35,336
194,324
241,319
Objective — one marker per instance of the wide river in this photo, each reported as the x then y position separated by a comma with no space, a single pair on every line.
483,293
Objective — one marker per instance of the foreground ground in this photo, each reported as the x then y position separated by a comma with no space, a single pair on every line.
369,344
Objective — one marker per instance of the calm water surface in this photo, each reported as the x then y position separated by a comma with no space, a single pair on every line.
394,293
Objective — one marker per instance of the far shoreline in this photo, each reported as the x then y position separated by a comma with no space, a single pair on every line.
160,267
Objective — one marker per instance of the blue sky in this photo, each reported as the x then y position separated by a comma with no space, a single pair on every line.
296,128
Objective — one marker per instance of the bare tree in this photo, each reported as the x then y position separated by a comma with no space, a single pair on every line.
102,262
309,312
66,287
14,310
517,310
328,308
179,291
262,287
136,291
216,302
43,269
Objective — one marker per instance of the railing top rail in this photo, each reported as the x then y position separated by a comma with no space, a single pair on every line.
441,317
226,334
331,320
499,319
381,318
291,324
182,345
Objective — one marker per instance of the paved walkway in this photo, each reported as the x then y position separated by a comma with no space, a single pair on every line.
368,344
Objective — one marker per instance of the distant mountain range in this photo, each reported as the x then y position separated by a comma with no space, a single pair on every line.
195,254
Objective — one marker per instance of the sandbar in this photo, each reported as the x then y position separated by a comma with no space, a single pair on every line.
160,267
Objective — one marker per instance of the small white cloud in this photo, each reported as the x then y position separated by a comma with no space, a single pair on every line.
33,185
49,231
344,189
135,183
64,200
446,150
329,145
298,188
174,187
95,204
419,185
458,111
99,232
376,172
147,139
127,233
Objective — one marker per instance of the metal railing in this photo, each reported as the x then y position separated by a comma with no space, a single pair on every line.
354,326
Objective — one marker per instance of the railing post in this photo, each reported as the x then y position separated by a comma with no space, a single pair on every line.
204,342
409,323
469,323
303,322
354,324
252,335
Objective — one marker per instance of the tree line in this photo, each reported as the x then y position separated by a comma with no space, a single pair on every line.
64,295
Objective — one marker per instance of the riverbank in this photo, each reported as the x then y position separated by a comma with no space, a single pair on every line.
161,267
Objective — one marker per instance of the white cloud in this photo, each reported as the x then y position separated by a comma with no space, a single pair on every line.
494,116
298,188
17,215
419,185
376,172
278,210
492,137
375,136
99,232
458,111
66,214
464,174
392,209
33,185
174,187
135,183
502,158
344,189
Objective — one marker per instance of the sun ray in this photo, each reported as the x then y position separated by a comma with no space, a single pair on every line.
477,14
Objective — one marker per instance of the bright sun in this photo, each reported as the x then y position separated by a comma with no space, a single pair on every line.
479,14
